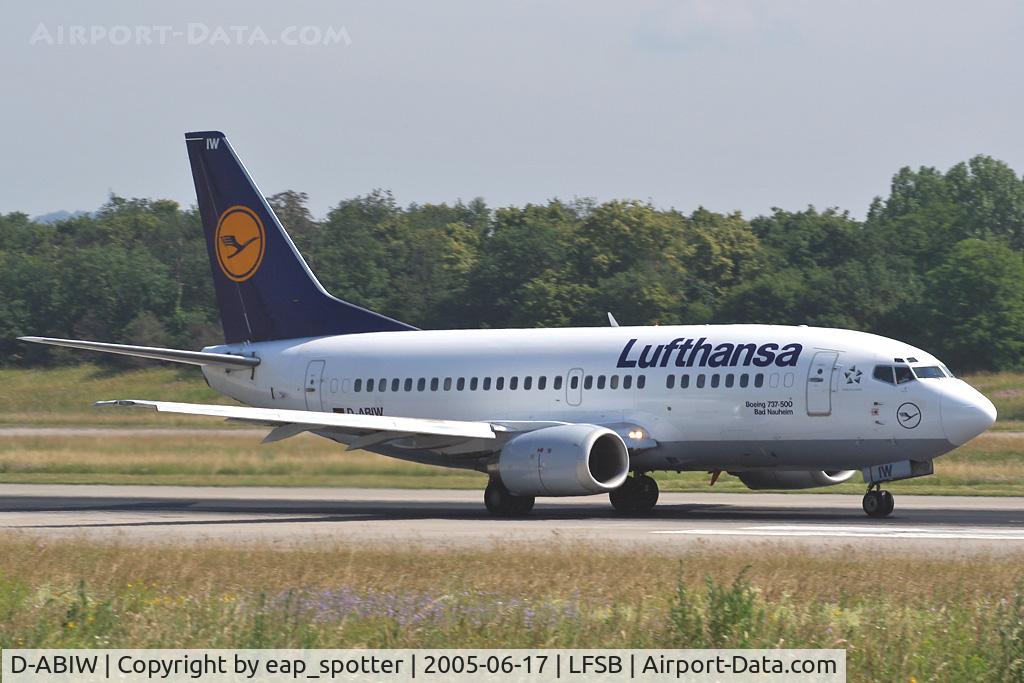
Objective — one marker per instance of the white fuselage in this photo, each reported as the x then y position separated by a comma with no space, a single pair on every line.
735,397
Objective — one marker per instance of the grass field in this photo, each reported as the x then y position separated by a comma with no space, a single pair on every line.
990,465
65,396
1006,391
929,618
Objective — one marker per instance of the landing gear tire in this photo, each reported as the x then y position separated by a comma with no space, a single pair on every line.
878,503
522,505
636,495
890,502
500,502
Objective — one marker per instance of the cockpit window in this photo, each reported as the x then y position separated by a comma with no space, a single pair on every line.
929,372
883,373
949,373
903,374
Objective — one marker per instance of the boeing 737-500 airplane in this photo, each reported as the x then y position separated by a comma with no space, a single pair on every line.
553,412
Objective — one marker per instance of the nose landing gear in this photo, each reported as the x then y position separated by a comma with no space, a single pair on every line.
878,503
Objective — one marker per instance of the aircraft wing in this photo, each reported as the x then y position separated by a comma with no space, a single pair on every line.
291,422
451,441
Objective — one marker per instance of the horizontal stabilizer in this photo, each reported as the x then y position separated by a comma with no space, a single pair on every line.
314,420
174,355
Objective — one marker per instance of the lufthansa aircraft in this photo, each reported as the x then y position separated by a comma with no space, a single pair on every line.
553,412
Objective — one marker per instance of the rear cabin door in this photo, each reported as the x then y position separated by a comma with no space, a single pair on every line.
314,382
819,383
574,387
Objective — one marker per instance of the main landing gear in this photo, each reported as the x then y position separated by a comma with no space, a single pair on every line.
878,503
638,493
501,502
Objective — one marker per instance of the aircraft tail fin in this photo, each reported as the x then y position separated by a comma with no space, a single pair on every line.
265,290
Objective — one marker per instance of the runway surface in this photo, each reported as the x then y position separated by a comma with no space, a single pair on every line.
290,516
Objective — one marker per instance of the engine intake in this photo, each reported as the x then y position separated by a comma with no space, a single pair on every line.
565,460
771,479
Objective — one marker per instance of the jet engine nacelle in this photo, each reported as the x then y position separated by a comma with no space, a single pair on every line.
565,460
793,480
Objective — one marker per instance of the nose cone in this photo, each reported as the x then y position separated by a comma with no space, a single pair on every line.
965,414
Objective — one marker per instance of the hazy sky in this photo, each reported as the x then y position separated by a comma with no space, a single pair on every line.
730,104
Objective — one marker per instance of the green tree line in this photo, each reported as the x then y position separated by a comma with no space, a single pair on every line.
938,263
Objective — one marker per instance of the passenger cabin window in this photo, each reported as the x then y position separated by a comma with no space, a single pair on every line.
382,385
421,384
700,381
600,381
460,384
513,383
394,384
684,381
527,383
447,383
759,380
744,380
614,384
408,384
714,381
473,384
729,380
499,384
883,373
641,381
487,383
670,381
574,383
369,385
929,372
558,383
433,384
627,381
358,386
542,383
588,382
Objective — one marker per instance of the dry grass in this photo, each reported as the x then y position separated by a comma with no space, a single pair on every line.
936,618
990,465
235,459
599,575
64,396
1006,391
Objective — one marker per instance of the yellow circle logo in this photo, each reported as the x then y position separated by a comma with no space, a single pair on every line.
240,242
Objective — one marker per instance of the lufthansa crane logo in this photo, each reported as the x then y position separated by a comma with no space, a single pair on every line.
240,242
909,415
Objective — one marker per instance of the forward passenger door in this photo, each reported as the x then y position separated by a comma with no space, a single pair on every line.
819,383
